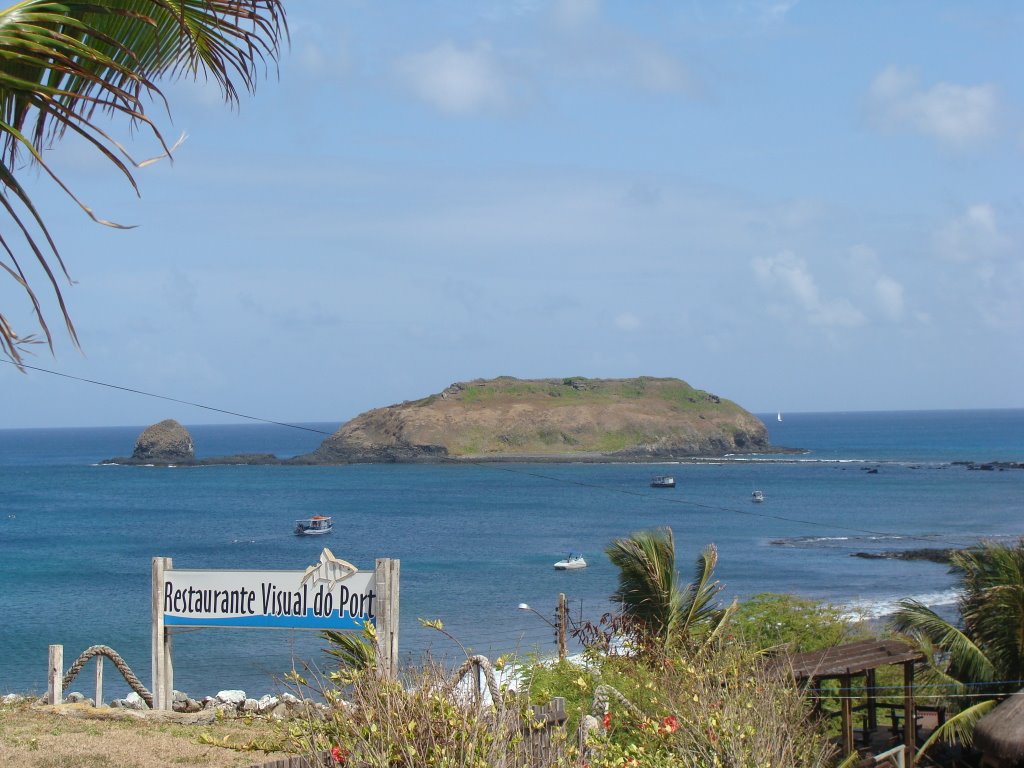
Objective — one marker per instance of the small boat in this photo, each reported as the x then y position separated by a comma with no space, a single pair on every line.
571,563
317,525
779,415
663,481
757,497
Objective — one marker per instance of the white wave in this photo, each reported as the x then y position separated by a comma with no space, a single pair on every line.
862,609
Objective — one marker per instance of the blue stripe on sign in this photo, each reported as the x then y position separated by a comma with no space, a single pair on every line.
309,621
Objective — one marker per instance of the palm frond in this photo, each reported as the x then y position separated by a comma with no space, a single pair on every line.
63,61
966,660
699,608
648,587
959,729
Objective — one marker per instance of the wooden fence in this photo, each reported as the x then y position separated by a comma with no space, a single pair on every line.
544,743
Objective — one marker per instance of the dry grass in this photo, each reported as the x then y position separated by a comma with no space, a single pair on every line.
48,737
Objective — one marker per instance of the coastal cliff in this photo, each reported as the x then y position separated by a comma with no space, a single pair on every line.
572,419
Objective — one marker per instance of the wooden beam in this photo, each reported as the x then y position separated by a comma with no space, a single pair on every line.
910,715
55,676
846,704
160,655
386,578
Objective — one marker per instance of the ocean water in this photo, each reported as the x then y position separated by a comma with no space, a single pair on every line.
474,541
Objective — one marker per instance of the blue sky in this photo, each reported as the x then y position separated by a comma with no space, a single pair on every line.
800,206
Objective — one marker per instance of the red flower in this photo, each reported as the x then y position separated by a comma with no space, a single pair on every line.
607,720
670,724
338,754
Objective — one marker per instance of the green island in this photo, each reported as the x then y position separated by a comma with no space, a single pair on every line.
571,419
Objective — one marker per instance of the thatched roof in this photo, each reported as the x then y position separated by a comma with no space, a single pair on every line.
1000,733
851,659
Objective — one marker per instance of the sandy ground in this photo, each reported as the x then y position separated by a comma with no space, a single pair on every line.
71,735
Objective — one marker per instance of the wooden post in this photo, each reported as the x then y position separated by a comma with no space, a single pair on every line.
872,703
386,577
910,715
99,680
563,620
55,676
163,668
845,694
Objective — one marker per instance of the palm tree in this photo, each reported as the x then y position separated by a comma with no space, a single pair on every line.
65,63
982,660
660,608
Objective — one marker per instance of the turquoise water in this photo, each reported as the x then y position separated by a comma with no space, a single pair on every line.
77,539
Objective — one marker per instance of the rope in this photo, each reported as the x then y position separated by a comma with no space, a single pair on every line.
122,667
604,692
471,664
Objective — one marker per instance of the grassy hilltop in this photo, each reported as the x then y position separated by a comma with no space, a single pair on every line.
550,419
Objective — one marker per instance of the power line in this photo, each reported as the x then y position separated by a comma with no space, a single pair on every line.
164,397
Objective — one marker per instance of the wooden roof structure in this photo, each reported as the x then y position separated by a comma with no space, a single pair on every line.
854,660
1000,733
851,660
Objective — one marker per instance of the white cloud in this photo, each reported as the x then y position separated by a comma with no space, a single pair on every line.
576,13
660,72
889,296
627,321
791,276
972,236
775,10
955,115
316,61
866,275
455,80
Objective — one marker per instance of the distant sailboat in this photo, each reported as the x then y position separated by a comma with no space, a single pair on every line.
779,416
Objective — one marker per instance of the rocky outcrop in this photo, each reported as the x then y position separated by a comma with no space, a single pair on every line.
930,554
161,444
572,419
170,444
166,442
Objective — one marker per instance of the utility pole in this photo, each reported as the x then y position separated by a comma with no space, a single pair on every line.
563,620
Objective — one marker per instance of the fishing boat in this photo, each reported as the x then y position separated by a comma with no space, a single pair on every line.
757,497
573,561
317,525
663,481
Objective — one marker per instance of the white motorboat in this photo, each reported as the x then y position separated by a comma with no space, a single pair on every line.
663,481
317,525
571,563
757,497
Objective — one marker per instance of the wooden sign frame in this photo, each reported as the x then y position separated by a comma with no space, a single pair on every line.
383,606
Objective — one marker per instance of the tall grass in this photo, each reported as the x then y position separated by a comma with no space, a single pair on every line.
423,720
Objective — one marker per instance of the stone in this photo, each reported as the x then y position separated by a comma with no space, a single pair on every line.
166,443
134,701
250,705
266,704
232,699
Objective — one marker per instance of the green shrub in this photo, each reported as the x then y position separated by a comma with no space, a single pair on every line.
771,620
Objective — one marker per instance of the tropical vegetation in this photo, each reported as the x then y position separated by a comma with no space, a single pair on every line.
682,690
974,663
660,609
88,67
